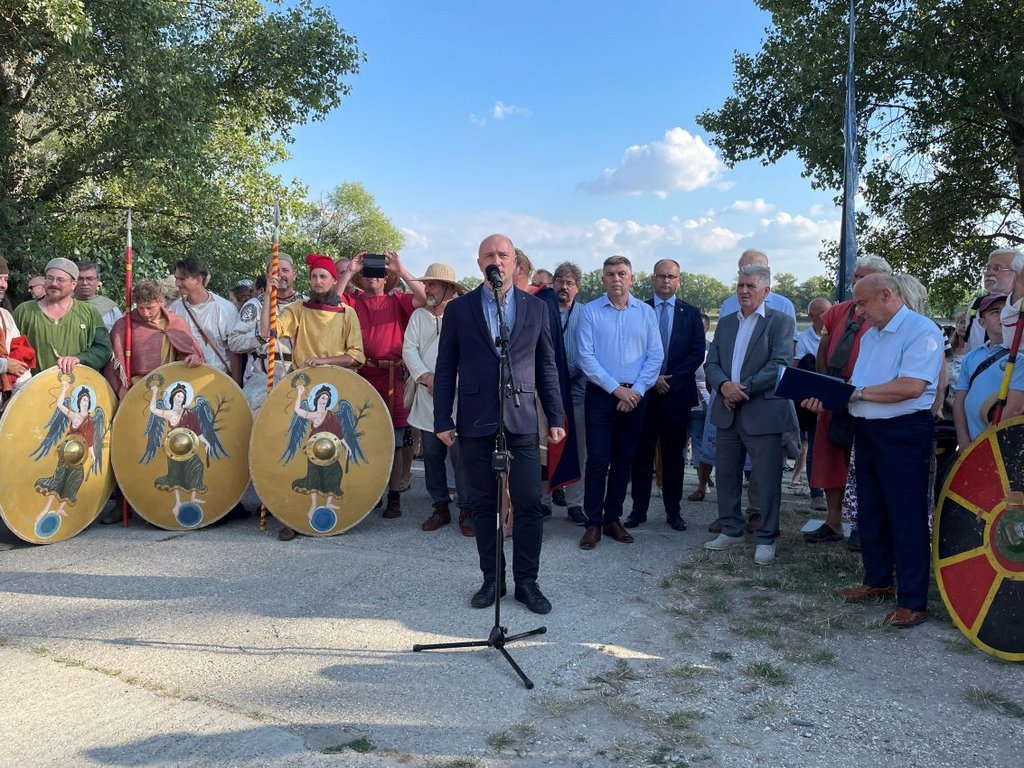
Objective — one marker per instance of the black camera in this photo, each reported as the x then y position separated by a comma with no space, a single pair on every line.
373,265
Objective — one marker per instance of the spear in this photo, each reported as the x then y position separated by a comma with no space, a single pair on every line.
275,252
1011,362
127,333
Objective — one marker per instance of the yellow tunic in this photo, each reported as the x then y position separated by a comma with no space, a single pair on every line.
328,332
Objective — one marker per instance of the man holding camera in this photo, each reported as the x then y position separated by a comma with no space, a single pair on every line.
383,316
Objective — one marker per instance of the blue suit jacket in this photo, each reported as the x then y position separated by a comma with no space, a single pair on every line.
685,352
467,364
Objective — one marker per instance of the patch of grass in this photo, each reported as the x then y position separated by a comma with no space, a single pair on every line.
761,600
820,657
691,671
768,672
460,762
717,601
960,643
684,718
755,628
721,656
501,740
361,745
663,756
984,698
762,708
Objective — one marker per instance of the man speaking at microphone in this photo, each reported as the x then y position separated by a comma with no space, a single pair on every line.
468,361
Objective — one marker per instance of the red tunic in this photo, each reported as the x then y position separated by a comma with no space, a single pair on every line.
831,464
382,321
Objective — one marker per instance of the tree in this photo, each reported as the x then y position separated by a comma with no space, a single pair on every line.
812,288
941,113
349,222
703,291
786,284
174,109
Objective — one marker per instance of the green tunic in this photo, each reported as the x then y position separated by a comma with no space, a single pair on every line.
80,333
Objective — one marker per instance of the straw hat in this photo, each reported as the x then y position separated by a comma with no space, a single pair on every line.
442,273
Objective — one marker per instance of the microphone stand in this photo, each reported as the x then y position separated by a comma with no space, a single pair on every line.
501,462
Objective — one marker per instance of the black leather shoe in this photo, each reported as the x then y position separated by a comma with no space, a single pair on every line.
484,597
577,515
675,523
529,594
635,522
558,497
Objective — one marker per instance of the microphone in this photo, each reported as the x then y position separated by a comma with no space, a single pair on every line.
493,275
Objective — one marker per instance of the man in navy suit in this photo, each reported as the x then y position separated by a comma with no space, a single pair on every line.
675,393
468,363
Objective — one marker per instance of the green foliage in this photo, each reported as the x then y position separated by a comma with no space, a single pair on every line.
941,124
348,222
703,291
176,110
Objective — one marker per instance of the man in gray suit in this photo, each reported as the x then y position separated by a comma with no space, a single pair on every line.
742,365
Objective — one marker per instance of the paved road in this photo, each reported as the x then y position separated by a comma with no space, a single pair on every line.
224,646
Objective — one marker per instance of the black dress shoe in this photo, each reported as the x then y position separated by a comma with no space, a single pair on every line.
675,523
545,510
635,522
558,497
529,594
484,597
577,515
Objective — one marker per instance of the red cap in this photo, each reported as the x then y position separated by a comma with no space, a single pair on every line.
319,261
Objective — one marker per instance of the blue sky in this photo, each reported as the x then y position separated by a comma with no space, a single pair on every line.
569,126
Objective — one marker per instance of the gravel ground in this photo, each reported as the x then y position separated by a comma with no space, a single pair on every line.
226,647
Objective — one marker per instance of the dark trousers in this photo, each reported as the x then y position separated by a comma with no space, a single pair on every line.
892,467
815,492
611,445
524,490
666,422
435,474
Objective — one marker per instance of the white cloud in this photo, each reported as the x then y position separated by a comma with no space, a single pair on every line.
500,111
681,162
758,206
703,243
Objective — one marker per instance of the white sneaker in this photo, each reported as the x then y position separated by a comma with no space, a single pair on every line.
764,554
723,542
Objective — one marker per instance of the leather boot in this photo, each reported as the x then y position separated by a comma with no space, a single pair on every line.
440,517
394,507
466,522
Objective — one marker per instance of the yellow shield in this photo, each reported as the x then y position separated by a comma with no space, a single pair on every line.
321,450
181,446
55,473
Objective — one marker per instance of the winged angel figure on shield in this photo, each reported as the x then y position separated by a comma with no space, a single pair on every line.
76,431
333,438
191,424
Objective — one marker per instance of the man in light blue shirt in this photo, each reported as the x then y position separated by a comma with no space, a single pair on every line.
896,375
620,352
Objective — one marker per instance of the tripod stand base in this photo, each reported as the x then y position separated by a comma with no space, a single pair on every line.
496,639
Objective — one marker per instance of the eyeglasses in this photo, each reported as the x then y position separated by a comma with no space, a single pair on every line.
564,282
58,280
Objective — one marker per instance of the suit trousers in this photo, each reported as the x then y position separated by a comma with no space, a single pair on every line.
524,490
892,468
435,472
612,438
733,445
665,423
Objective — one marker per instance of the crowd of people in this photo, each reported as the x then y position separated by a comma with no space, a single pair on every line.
604,397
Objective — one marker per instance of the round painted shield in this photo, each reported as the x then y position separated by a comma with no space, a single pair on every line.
55,441
180,446
321,450
978,541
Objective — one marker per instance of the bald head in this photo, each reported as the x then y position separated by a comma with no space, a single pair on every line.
498,250
818,307
878,297
752,256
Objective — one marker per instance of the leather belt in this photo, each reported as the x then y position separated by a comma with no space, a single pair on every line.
391,366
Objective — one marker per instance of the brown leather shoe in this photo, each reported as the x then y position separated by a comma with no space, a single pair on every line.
285,534
753,523
696,496
618,532
904,618
591,537
715,526
862,593
441,517
466,526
